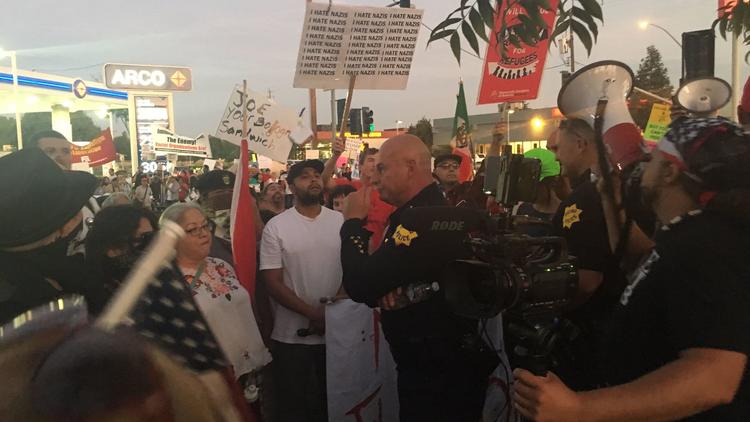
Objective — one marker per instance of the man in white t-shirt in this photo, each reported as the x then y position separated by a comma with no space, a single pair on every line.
300,262
143,193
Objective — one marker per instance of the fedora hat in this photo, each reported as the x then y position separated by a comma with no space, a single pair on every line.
37,197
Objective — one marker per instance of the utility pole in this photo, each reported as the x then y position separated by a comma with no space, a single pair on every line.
334,123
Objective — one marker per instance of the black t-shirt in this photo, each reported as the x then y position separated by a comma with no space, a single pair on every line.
580,220
693,291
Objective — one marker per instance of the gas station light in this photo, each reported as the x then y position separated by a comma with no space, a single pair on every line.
537,123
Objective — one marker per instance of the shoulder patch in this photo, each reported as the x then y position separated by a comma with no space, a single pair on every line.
572,215
402,236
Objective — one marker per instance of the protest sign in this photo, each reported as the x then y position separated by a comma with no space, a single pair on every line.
517,76
353,145
312,154
101,150
271,127
167,142
374,43
360,371
658,123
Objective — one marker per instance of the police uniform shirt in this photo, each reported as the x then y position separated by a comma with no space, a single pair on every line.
691,292
367,278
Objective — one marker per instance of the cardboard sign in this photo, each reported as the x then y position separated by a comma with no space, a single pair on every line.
312,154
167,142
271,128
353,145
658,123
375,43
101,150
517,76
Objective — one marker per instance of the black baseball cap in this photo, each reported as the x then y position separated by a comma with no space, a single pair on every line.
448,157
297,169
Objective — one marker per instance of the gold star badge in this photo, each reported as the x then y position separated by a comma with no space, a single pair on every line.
178,79
572,215
403,236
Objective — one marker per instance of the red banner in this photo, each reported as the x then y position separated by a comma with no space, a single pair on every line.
518,75
101,150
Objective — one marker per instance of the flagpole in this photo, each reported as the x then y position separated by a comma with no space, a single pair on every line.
244,109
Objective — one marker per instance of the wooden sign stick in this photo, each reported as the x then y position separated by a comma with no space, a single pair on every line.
244,109
348,107
313,112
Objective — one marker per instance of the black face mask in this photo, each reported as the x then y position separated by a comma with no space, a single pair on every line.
118,267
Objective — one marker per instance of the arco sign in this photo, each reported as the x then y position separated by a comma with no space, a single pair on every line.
147,77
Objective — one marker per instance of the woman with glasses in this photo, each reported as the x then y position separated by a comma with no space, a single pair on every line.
216,289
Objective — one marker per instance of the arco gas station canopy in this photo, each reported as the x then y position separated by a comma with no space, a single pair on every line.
59,95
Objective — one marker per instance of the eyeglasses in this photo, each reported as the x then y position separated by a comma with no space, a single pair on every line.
208,226
448,166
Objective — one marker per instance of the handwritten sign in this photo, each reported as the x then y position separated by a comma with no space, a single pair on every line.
272,128
658,123
167,142
353,145
375,43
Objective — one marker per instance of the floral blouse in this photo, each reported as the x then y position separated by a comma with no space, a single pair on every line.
228,310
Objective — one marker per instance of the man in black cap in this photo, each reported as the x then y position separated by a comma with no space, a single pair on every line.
41,215
300,263
446,173
216,189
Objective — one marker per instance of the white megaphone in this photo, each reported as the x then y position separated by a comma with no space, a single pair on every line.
611,81
704,96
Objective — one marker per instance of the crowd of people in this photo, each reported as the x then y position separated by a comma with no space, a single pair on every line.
662,321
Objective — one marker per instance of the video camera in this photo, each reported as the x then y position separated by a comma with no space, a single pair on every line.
528,279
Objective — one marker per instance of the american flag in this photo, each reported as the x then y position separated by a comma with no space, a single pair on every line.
167,315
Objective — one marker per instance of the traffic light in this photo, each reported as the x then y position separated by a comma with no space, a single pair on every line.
355,121
368,125
405,3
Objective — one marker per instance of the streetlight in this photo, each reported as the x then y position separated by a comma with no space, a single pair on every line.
537,123
645,24
398,122
510,111
14,71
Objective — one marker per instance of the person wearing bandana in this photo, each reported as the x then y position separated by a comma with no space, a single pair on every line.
40,231
679,341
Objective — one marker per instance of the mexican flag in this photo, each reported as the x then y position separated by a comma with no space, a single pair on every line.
462,137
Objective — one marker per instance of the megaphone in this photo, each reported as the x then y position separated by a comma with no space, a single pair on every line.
703,96
609,81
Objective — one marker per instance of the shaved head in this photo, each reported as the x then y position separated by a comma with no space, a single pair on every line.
403,169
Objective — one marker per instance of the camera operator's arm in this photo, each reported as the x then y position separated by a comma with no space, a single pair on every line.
698,381
367,278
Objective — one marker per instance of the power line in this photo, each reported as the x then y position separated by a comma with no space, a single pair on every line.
71,68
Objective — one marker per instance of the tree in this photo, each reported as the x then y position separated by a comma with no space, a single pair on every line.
423,130
652,76
223,149
84,128
122,144
734,18
472,20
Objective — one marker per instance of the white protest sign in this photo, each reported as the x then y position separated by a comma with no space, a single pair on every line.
264,162
167,142
375,43
353,144
271,128
360,371
312,154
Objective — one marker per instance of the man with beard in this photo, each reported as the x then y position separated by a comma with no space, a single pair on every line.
272,201
443,366
580,220
41,219
300,263
678,345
